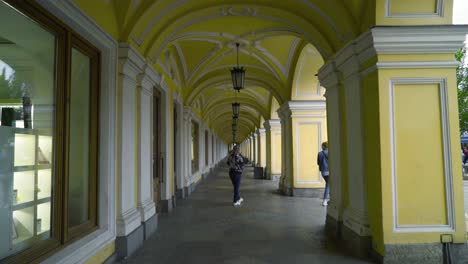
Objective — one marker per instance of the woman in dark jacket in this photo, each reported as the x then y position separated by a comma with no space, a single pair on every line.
236,166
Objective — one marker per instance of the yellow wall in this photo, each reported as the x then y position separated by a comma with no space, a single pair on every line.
102,12
305,84
102,255
276,153
421,145
412,157
413,12
308,135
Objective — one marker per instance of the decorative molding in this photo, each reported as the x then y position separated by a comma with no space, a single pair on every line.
417,64
415,39
439,11
448,173
82,249
131,62
298,149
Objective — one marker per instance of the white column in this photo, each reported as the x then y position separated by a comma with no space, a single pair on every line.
329,78
188,144
286,180
166,190
131,64
262,147
146,205
356,215
180,143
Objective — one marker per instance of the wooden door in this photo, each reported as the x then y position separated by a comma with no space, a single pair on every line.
157,159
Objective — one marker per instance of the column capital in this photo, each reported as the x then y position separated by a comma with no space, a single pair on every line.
261,131
130,61
272,124
294,108
148,79
188,113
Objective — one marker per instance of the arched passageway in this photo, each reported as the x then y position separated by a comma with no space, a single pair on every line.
374,78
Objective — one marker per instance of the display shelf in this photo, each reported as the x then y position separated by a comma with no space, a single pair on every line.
21,206
23,186
44,180
27,167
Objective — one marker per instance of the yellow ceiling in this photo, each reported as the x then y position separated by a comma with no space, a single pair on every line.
193,43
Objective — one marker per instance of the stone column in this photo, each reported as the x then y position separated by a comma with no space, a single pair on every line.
146,206
398,89
128,216
187,150
257,148
286,180
329,78
273,149
262,141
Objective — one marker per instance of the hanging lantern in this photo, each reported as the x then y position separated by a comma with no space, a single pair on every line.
238,74
235,109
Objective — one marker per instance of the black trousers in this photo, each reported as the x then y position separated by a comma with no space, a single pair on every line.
236,180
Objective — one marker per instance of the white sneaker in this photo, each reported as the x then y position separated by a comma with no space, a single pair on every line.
236,204
325,202
241,200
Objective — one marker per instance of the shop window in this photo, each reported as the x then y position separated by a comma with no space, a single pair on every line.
48,133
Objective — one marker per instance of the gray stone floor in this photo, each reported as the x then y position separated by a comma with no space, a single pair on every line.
268,228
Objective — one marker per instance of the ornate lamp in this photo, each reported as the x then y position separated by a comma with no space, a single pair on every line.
238,74
235,109
234,121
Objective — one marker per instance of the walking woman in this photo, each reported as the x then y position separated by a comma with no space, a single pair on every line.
236,166
322,162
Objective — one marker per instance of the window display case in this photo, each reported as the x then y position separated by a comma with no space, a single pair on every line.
25,182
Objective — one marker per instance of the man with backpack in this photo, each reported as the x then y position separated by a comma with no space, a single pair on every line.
322,162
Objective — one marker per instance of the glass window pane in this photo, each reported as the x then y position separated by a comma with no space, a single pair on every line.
27,105
78,187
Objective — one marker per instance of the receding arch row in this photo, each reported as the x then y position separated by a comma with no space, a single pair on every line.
309,17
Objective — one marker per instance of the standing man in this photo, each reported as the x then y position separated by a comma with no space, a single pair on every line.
236,166
322,162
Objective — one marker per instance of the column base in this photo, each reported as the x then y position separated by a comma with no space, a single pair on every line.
308,192
125,246
431,253
275,177
333,228
150,226
166,205
147,209
186,192
128,221
355,244
287,191
180,193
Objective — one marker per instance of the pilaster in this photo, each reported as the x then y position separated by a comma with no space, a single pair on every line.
329,78
131,65
397,86
286,179
145,203
262,148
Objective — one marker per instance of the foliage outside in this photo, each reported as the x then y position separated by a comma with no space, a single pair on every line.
462,82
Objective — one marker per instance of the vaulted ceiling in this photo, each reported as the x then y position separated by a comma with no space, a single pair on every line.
193,43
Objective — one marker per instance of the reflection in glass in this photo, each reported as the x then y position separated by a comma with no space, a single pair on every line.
78,187
27,84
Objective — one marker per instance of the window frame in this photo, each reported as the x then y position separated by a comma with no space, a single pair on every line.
65,39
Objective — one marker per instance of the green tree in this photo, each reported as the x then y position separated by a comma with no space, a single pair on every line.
462,83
